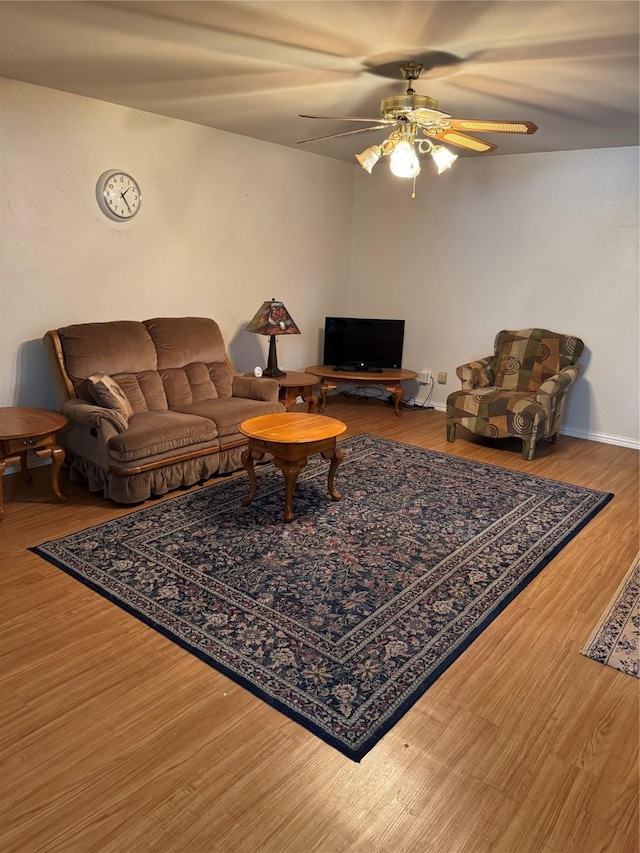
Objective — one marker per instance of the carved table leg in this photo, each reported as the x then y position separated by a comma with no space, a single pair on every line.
57,458
324,387
56,454
247,458
26,476
336,456
396,390
312,402
290,471
3,465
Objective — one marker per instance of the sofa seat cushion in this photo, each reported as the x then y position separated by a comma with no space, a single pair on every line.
151,434
229,412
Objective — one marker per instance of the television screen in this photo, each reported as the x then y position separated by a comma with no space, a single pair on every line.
354,343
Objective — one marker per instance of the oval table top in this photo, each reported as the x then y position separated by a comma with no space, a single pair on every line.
327,371
27,422
292,427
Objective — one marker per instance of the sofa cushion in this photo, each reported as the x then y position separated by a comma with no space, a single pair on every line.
144,390
154,433
107,393
113,347
229,412
184,385
184,340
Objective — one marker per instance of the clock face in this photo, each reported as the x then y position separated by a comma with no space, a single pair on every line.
118,195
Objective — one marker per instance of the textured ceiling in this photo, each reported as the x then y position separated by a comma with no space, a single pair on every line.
252,67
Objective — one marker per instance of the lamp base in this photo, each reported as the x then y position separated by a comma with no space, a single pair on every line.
272,371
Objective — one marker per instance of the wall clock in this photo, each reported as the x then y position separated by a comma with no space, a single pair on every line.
118,195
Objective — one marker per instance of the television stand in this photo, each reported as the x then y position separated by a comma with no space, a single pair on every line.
330,378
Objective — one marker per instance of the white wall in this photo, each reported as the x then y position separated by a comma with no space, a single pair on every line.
499,242
226,222
510,242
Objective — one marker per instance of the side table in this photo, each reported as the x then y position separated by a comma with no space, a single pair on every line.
294,385
291,438
23,429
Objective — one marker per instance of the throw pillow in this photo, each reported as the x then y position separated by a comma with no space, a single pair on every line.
106,392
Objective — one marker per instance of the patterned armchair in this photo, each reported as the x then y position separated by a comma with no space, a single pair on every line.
518,391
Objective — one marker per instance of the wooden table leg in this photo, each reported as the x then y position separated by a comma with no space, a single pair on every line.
57,458
312,402
324,387
57,455
3,466
290,471
247,458
336,456
26,476
396,391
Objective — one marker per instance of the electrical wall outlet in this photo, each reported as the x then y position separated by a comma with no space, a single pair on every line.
442,377
425,377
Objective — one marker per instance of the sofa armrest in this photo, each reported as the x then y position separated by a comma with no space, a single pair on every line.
556,385
476,374
255,389
106,421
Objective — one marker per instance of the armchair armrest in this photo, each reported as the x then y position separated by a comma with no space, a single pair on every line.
476,374
106,421
556,385
255,389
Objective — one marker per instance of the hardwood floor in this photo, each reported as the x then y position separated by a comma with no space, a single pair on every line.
115,739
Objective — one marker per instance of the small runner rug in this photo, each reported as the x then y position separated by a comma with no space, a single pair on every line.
616,639
344,617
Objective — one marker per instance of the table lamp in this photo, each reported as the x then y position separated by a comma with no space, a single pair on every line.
273,319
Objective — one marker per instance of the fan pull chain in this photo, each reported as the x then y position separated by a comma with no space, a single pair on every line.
413,193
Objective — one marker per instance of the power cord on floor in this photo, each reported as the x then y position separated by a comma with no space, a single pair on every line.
368,392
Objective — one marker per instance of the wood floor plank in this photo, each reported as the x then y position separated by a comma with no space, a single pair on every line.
115,740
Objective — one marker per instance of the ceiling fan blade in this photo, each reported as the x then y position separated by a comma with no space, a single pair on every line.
424,114
493,126
454,137
346,133
350,118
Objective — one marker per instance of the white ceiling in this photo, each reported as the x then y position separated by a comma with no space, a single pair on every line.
252,67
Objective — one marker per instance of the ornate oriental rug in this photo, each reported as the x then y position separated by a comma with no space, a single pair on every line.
344,617
616,639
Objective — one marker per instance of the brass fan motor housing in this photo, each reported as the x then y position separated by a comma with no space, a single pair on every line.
398,105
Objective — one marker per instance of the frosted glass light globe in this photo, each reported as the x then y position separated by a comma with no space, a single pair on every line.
403,162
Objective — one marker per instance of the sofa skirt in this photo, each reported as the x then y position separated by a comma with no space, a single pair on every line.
135,488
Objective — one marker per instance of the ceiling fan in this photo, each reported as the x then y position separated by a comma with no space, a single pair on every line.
411,115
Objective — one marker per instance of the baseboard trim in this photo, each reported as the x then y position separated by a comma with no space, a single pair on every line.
603,438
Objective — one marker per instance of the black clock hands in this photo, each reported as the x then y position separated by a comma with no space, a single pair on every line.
122,196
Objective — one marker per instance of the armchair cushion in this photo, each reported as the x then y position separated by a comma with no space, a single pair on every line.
525,359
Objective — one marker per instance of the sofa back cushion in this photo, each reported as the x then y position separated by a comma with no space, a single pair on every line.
527,358
114,348
192,359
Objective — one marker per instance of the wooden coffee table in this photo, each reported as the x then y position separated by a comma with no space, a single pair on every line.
389,379
23,429
291,438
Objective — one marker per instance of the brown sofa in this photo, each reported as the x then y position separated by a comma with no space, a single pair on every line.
151,406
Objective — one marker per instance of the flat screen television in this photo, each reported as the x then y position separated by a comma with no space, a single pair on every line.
356,343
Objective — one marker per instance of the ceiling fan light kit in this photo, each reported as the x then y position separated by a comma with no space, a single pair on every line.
413,114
